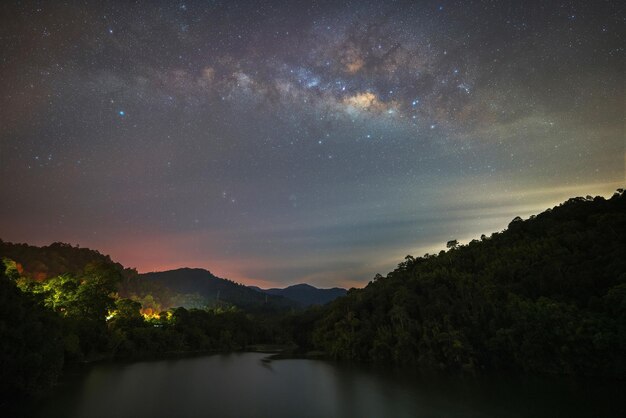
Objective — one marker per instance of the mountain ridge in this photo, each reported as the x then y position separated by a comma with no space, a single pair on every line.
215,290
305,294
546,295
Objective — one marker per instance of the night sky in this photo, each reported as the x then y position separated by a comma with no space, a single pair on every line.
321,142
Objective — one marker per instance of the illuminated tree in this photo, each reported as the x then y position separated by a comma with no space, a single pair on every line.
31,342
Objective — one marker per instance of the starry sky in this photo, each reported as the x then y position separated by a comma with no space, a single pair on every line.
275,143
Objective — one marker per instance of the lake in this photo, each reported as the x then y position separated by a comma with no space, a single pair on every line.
249,385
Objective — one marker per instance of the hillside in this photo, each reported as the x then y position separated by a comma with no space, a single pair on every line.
40,263
190,288
213,290
546,295
304,294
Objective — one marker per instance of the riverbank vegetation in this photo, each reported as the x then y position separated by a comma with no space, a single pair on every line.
548,294
66,319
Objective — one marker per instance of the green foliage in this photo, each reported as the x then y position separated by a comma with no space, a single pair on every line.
196,288
83,302
76,317
181,330
546,295
126,315
31,342
40,263
11,269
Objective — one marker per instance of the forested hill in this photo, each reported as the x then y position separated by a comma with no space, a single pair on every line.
548,294
186,287
212,289
40,263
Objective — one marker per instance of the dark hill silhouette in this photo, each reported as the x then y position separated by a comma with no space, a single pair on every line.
187,287
304,294
213,289
546,295
40,263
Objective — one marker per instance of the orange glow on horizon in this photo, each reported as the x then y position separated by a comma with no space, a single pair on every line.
152,254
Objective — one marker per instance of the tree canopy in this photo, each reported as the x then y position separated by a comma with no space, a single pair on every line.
548,294
545,295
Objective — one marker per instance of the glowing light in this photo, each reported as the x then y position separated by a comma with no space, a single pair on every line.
363,101
111,315
149,314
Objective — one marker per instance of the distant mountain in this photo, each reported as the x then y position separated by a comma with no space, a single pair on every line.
190,288
305,294
213,290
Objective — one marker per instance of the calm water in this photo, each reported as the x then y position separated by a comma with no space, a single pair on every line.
244,385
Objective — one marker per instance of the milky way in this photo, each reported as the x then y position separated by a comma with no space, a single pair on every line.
276,143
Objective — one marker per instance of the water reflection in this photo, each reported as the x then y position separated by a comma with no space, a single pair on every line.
248,385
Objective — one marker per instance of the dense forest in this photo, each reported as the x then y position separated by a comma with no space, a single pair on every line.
81,317
156,292
199,288
548,294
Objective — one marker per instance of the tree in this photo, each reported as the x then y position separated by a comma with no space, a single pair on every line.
31,343
11,269
546,295
126,314
452,244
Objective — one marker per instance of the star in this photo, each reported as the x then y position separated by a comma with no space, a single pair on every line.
383,117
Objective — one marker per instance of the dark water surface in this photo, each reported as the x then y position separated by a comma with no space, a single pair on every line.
247,385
